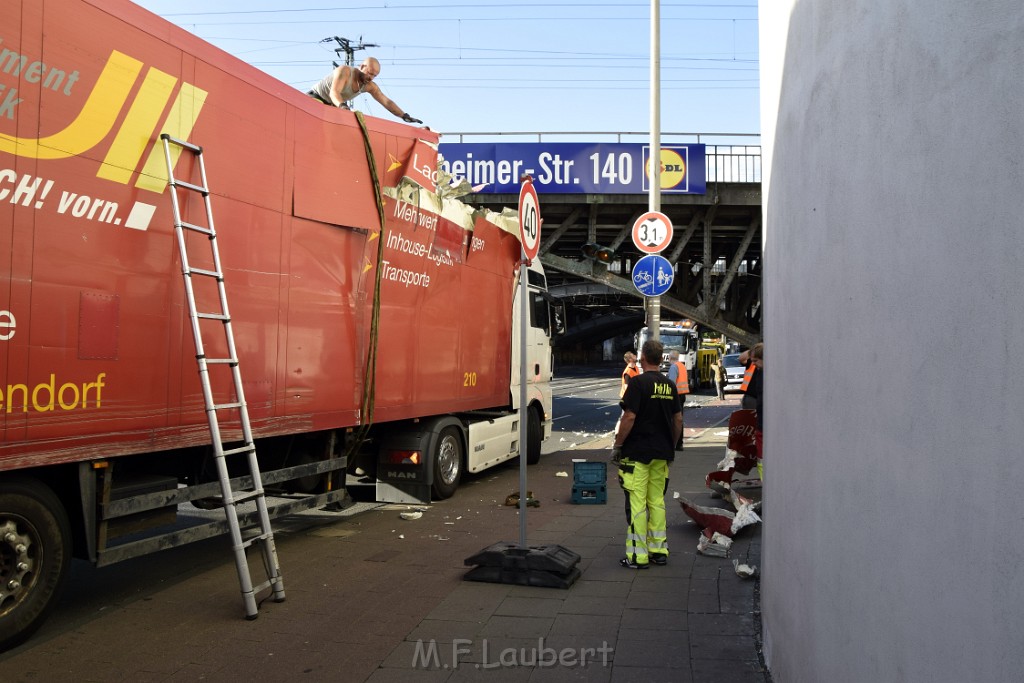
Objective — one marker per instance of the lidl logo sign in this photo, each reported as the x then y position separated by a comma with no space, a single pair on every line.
673,168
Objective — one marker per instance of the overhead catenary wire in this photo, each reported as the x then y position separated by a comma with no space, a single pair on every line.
456,50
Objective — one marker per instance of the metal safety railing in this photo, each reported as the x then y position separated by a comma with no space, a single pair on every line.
733,163
730,157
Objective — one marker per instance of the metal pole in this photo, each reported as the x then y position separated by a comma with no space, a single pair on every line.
654,199
524,322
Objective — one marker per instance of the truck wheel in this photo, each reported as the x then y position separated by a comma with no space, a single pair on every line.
533,434
35,553
447,463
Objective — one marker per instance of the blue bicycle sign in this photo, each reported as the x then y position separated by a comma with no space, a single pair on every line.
653,275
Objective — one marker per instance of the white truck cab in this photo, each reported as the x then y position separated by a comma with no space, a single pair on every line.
682,336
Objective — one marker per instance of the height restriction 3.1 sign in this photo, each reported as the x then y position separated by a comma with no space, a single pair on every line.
652,232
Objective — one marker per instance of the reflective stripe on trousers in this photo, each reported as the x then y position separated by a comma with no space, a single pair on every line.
645,486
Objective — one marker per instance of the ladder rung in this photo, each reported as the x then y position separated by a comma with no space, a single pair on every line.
197,228
242,497
246,496
259,537
248,448
208,273
238,540
248,543
182,143
189,186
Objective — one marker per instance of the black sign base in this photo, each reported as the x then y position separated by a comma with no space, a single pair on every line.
546,566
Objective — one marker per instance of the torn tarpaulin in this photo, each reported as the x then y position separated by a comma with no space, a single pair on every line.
735,461
742,426
740,501
715,519
725,522
732,463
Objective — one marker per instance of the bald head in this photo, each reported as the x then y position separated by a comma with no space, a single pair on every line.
370,67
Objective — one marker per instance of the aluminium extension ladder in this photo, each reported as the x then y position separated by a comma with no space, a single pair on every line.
264,539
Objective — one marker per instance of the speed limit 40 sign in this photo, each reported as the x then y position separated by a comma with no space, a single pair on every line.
529,219
652,232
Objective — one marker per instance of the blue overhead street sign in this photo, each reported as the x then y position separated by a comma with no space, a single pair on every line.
653,275
573,167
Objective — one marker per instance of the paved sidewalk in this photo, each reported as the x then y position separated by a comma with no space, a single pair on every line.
380,599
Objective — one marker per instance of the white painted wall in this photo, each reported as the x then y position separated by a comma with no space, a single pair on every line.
894,321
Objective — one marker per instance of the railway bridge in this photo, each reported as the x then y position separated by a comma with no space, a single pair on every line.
592,189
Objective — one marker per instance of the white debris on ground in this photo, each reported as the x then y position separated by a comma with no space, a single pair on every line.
744,571
715,546
561,474
410,515
745,514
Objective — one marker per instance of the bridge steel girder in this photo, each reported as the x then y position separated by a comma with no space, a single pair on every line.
569,221
698,217
730,214
589,270
734,267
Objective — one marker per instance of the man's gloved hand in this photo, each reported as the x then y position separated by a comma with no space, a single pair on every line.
409,119
616,453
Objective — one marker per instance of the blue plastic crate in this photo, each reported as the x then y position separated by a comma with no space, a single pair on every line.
589,483
595,494
589,473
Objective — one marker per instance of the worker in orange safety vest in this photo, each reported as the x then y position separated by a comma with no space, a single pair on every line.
747,402
631,370
677,375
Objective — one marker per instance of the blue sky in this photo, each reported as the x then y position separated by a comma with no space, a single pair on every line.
490,66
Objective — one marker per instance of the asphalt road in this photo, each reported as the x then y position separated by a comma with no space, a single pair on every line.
586,408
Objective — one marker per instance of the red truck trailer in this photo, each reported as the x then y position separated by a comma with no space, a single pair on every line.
375,319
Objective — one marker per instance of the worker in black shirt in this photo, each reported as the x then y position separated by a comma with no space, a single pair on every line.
644,445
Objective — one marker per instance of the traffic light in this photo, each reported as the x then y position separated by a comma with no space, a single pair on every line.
595,252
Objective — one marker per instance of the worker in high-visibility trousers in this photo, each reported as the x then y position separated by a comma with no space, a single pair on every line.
677,375
644,446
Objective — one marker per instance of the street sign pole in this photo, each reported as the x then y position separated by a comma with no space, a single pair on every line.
548,565
529,238
654,201
524,322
